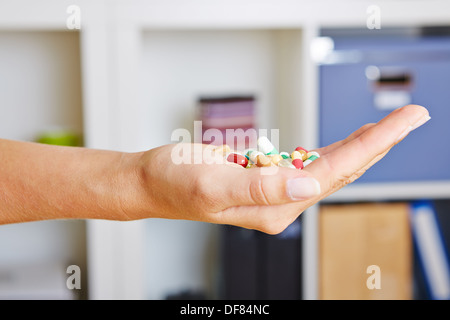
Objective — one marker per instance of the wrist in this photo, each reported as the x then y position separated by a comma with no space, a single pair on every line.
133,201
113,189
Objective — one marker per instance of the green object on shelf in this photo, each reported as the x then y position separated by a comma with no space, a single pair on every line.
61,138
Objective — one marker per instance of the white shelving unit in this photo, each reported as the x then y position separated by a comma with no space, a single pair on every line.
40,89
137,60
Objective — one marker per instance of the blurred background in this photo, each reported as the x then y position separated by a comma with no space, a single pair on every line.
124,75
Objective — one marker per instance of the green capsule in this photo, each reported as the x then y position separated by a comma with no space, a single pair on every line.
313,157
266,147
285,155
248,151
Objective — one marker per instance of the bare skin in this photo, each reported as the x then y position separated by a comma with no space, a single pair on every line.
42,182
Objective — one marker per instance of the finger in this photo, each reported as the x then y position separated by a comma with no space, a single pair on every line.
338,144
351,179
267,186
337,168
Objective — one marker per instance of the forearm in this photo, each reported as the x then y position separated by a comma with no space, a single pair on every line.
41,182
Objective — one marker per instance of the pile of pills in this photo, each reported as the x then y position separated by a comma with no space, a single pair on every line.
267,155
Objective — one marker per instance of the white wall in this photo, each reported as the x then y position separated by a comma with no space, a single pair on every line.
40,82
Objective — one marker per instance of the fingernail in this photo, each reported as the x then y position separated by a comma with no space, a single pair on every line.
420,122
404,134
302,188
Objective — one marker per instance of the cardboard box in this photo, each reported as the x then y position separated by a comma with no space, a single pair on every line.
363,247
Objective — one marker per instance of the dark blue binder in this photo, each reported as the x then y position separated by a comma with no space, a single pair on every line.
431,249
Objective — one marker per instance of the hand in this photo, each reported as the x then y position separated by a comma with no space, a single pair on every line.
250,198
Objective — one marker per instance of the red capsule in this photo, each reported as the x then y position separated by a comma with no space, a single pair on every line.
238,159
298,163
300,148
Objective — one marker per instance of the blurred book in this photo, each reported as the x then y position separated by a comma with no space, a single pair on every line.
357,241
228,120
430,228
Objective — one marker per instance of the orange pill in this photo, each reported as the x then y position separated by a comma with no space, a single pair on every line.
276,158
263,161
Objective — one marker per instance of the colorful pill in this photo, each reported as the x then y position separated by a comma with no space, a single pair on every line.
267,155
296,155
304,154
286,163
298,163
263,161
305,163
253,155
238,159
248,151
300,149
276,158
313,153
266,147
284,154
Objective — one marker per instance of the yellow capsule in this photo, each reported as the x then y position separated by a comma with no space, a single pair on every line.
276,158
304,154
222,150
296,155
263,161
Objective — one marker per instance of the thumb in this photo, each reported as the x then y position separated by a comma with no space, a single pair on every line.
265,187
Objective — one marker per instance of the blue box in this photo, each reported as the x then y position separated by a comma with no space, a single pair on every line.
365,78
